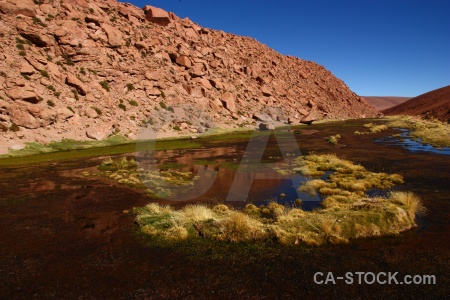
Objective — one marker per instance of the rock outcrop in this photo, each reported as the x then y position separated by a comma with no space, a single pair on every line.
71,68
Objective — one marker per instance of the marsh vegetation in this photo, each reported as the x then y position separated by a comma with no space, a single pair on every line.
372,128
334,139
158,182
347,211
432,132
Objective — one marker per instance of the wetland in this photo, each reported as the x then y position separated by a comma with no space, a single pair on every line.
69,232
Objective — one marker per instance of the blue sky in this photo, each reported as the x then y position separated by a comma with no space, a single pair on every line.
377,47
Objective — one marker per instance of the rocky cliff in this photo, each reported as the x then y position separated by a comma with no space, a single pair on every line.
84,69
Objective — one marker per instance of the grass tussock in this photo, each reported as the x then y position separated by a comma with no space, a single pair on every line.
157,182
345,182
432,132
346,213
372,128
334,139
287,225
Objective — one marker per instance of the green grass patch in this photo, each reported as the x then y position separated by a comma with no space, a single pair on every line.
71,149
432,132
172,165
230,165
204,162
133,103
105,85
130,87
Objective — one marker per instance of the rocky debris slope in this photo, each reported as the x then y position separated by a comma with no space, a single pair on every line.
431,105
83,69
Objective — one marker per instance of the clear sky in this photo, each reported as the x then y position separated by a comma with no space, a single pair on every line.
377,47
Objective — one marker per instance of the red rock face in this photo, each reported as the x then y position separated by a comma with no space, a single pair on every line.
73,65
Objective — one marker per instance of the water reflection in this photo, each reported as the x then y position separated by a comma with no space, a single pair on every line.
412,145
219,169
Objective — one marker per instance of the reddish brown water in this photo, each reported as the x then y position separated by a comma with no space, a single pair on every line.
66,237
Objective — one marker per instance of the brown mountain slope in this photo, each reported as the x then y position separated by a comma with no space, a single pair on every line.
384,102
82,68
434,104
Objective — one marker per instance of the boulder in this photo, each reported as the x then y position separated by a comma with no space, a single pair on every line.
47,116
73,81
157,15
153,92
114,35
303,112
154,76
215,105
76,3
290,120
266,91
20,94
216,83
100,132
20,116
261,117
184,61
228,101
34,35
91,113
27,69
131,12
266,126
20,7
64,114
54,71
48,9
39,39
204,82
309,119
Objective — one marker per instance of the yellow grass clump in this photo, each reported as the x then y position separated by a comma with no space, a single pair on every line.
432,132
334,139
347,212
373,128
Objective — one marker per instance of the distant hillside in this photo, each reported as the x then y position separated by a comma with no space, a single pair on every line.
434,104
385,102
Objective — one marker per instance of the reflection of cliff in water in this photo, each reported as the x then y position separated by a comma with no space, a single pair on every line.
216,169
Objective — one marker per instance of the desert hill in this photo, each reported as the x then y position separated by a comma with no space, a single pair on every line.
434,104
385,102
85,69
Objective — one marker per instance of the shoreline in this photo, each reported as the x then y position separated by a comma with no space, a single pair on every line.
58,150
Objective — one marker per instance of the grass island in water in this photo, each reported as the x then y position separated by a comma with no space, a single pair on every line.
347,211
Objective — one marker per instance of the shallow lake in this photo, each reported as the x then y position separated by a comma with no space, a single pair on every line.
64,235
